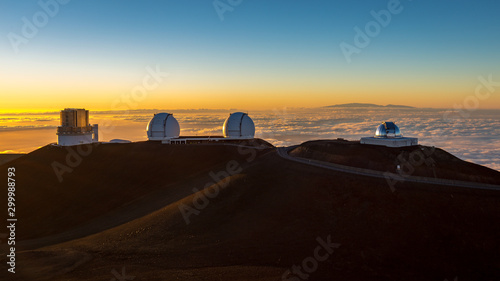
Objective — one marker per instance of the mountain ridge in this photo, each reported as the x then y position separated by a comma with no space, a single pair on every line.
349,105
262,221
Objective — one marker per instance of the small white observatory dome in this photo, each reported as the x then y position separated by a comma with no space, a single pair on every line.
163,126
238,125
388,130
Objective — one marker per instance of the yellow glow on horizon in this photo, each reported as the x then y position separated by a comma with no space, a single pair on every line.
258,97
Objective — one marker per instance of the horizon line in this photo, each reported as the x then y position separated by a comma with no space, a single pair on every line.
54,111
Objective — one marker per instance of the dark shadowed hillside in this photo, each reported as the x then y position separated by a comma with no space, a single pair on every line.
435,163
110,176
251,225
5,158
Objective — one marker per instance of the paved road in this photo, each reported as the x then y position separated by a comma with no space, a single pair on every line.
283,152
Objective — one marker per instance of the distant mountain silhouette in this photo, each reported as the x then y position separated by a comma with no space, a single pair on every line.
369,105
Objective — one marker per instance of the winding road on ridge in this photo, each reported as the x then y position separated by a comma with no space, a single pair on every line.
283,152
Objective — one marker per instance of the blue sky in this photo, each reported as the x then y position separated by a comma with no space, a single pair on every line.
263,42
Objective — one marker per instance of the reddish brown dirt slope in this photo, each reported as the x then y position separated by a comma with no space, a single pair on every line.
436,162
266,219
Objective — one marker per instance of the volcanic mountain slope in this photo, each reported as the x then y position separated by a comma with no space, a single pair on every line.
252,225
74,185
416,160
5,158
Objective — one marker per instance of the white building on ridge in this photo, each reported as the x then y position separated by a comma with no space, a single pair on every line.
388,134
165,128
75,128
238,126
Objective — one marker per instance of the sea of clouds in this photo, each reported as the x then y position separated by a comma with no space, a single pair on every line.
475,138
472,136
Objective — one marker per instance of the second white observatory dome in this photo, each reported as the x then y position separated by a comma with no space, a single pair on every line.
163,126
239,125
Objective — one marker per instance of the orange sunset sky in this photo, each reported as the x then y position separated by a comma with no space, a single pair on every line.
254,57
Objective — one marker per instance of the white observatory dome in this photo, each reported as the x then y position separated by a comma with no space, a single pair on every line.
388,130
163,126
238,125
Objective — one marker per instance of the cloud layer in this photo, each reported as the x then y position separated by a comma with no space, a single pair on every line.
474,138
